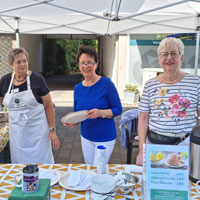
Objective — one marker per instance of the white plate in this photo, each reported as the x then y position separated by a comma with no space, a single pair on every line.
54,175
64,181
74,117
174,166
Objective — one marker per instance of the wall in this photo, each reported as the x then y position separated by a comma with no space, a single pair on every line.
115,54
143,58
33,45
108,51
5,46
122,55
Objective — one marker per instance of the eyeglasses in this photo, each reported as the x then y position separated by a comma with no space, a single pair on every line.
165,55
89,64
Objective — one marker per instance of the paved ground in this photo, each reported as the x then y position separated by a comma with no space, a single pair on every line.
70,151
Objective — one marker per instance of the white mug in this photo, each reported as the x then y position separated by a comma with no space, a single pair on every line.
198,186
17,178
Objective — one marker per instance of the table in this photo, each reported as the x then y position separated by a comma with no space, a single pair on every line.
8,171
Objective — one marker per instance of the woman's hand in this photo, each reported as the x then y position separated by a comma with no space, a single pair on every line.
70,125
139,160
94,113
54,140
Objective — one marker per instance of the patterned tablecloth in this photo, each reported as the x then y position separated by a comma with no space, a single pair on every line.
4,135
8,171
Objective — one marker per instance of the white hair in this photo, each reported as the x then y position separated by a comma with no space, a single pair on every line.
167,41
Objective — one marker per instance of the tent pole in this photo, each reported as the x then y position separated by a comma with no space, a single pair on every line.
17,31
117,7
197,49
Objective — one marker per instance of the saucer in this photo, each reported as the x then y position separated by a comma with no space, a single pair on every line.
74,117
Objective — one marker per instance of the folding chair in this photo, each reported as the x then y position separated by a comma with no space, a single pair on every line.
129,131
131,138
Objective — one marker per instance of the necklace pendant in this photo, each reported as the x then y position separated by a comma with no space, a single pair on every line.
17,101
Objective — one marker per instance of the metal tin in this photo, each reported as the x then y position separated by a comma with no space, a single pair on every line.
195,154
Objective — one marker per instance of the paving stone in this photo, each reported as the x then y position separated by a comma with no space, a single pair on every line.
69,138
116,148
66,145
77,144
63,153
77,150
62,160
76,158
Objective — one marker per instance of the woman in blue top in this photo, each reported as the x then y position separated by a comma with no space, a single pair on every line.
99,96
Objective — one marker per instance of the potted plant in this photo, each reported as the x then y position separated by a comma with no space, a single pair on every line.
131,93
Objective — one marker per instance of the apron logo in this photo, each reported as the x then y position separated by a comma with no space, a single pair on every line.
17,101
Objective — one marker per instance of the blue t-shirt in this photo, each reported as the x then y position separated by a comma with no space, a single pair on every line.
101,95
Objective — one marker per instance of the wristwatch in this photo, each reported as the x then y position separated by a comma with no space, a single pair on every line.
52,128
104,114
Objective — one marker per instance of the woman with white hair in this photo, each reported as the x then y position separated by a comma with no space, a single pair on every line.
170,102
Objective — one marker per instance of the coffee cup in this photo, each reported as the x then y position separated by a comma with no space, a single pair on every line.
29,179
197,185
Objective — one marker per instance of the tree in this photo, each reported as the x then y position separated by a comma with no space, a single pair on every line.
60,54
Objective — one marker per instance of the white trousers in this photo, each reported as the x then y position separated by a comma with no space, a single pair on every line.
89,150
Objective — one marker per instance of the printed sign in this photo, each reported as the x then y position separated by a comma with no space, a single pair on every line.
166,172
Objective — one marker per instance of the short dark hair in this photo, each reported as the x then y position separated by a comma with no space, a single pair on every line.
87,50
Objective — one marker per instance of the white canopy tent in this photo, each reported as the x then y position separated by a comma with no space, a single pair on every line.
99,17
105,17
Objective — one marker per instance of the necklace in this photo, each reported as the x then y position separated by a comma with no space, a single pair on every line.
180,76
91,82
20,80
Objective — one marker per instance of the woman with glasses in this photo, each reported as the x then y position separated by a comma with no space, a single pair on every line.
26,96
98,95
170,102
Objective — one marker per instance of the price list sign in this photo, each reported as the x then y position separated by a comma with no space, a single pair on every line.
166,172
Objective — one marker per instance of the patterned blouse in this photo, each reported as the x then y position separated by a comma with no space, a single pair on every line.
171,107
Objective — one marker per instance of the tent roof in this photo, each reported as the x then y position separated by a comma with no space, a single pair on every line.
99,16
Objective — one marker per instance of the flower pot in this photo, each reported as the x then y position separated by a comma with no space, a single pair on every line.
130,97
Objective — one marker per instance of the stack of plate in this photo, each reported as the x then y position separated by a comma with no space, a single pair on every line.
65,180
54,175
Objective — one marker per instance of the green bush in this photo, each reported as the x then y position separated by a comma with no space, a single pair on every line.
59,55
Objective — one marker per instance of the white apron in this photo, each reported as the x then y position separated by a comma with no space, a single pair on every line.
28,127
